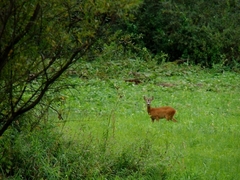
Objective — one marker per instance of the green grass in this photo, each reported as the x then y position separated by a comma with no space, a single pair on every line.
108,115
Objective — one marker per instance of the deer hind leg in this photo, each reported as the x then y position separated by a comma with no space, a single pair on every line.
174,120
171,118
168,118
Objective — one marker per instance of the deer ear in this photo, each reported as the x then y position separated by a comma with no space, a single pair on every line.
144,97
152,98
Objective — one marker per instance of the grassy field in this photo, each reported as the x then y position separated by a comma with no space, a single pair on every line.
108,121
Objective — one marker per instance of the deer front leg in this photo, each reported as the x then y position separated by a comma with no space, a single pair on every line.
152,119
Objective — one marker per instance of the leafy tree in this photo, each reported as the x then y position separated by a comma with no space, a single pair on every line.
204,32
39,40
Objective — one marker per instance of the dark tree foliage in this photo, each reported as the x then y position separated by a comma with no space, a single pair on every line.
204,32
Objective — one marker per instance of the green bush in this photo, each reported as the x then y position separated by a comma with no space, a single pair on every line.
201,32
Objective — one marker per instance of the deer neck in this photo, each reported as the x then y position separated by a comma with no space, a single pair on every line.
148,108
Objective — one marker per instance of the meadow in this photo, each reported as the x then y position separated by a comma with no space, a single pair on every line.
108,124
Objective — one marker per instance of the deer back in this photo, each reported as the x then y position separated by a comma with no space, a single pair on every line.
162,112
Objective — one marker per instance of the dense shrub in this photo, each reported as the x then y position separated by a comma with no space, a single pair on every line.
203,32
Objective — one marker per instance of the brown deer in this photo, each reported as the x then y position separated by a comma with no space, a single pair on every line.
166,112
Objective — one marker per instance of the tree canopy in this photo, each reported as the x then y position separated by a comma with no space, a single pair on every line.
39,40
203,32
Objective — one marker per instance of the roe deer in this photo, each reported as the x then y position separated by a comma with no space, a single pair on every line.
160,112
